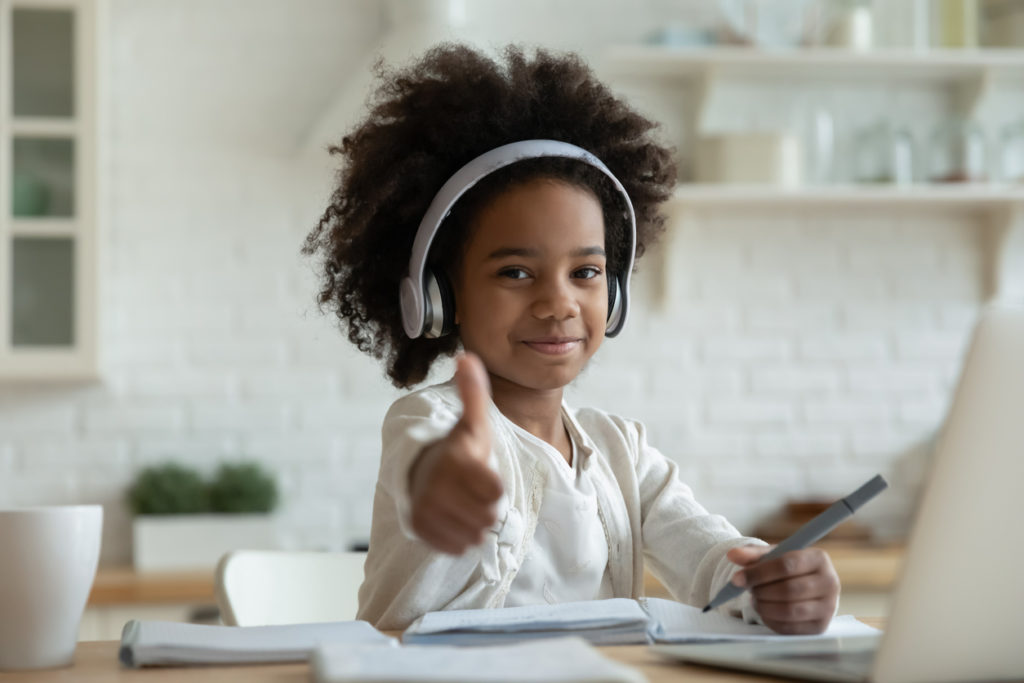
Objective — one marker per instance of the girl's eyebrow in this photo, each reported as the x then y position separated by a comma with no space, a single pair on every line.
503,252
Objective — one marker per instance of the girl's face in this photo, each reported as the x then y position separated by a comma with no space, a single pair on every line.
532,295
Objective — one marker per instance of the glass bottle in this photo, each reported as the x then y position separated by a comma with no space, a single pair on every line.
869,158
956,153
884,153
1011,149
819,136
903,156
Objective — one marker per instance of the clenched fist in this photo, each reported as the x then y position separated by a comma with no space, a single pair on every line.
453,489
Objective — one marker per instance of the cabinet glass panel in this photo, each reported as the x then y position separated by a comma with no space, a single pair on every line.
43,178
43,49
42,291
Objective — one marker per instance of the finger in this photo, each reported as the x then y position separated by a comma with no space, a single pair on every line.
462,534
437,536
794,612
791,564
446,533
474,390
443,540
468,510
797,628
480,482
815,586
748,554
744,556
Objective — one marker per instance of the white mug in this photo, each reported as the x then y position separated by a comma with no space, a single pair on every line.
48,558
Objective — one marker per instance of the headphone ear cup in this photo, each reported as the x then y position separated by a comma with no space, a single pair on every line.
439,318
613,296
447,304
618,292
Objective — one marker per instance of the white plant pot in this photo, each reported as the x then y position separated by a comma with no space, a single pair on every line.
184,542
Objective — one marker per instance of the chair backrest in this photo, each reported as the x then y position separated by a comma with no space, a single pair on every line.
262,587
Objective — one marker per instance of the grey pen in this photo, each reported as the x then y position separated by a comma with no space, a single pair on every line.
812,531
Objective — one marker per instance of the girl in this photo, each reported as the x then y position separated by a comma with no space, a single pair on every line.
497,208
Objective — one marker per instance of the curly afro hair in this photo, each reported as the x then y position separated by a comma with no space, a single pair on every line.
428,120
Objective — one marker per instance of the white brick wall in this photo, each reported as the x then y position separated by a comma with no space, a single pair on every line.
793,354
838,372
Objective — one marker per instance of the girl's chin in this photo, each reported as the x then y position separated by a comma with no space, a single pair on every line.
546,379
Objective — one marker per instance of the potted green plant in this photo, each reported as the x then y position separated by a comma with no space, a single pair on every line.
185,522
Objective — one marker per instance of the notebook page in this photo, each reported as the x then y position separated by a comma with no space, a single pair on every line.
676,622
588,614
557,660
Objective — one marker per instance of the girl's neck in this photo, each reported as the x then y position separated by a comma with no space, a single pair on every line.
537,411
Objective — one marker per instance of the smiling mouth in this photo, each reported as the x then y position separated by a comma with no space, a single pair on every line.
554,347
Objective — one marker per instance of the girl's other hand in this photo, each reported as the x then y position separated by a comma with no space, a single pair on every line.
453,489
795,593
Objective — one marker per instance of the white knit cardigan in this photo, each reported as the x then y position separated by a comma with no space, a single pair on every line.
648,514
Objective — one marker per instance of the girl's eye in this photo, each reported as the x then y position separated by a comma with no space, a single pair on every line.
513,273
587,273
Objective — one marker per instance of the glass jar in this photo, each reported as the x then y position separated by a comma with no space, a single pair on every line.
1011,149
956,153
884,153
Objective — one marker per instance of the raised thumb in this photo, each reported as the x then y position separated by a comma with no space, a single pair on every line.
475,391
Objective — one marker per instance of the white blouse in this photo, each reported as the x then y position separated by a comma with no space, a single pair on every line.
567,559
649,517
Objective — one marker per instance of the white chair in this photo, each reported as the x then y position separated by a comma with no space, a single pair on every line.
261,587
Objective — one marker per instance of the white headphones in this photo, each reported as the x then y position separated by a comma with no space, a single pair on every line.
428,304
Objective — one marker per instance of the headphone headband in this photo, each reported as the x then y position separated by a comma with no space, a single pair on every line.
412,287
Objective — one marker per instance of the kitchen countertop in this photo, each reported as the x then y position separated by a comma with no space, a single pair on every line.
860,568
125,586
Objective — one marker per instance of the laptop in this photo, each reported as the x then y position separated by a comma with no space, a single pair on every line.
958,611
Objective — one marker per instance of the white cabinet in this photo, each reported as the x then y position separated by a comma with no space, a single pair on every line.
47,190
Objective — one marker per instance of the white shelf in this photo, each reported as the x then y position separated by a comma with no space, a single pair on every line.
44,227
44,127
966,196
943,65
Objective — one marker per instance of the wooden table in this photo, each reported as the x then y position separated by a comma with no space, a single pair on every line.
96,662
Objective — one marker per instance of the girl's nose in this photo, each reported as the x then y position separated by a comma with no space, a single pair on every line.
555,300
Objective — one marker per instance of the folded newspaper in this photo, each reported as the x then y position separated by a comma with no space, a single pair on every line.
617,621
555,660
165,643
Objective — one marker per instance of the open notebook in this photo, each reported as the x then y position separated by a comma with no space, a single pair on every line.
618,621
165,643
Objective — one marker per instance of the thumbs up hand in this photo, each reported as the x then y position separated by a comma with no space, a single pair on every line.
453,489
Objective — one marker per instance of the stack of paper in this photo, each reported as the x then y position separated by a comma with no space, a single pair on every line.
161,643
558,660
617,621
